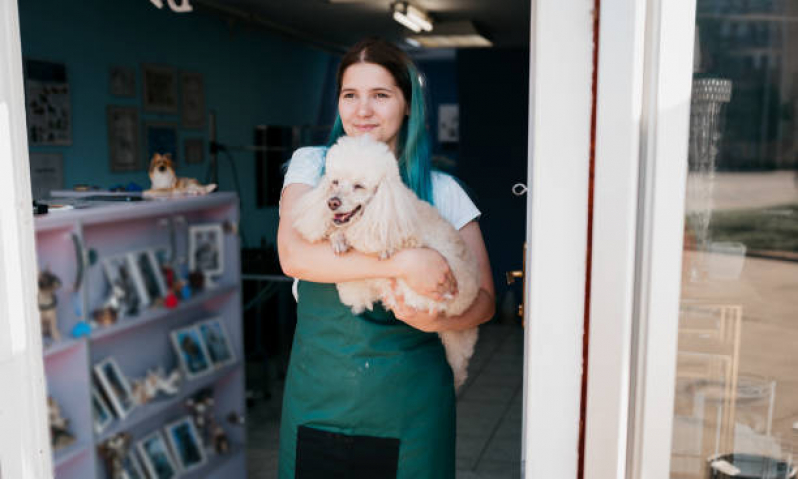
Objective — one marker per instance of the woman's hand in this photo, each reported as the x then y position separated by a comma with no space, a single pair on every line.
426,272
421,320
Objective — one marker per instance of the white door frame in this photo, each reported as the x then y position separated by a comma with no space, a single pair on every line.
25,438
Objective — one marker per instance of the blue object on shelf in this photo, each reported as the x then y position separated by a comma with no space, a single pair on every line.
81,329
186,292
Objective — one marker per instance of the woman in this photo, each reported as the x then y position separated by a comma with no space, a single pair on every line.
371,395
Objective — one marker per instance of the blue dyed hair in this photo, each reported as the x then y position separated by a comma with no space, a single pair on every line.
413,141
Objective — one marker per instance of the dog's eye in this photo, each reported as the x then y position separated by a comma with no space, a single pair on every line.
359,186
335,182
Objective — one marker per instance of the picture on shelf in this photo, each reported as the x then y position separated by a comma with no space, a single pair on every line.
149,271
156,457
206,249
124,287
191,351
216,342
186,444
102,415
132,467
116,386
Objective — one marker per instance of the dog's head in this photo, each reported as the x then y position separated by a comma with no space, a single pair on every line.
356,169
48,282
162,171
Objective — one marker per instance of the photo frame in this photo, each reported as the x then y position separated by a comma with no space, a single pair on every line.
132,466
186,444
194,150
123,138
46,173
101,413
192,106
155,455
116,387
47,103
191,352
217,342
125,283
159,84
206,249
160,137
122,81
149,272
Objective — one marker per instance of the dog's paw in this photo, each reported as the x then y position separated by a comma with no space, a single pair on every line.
339,244
386,254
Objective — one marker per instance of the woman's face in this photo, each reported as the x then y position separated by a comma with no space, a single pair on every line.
370,102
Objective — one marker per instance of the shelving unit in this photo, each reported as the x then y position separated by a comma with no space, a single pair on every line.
138,342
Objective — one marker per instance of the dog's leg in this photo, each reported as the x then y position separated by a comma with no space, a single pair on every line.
338,242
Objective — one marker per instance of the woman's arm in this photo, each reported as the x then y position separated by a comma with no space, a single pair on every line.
481,310
425,270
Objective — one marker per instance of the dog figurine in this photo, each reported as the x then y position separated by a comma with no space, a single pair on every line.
362,203
147,388
166,183
47,299
114,450
59,425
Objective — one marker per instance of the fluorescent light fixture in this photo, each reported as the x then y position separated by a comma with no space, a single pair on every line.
460,34
411,17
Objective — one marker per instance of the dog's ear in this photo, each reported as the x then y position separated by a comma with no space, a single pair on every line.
311,215
390,218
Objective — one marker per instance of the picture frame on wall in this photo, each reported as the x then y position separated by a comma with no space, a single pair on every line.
155,455
160,137
186,444
217,342
47,103
122,81
159,85
194,150
192,106
123,138
116,387
206,249
125,284
191,352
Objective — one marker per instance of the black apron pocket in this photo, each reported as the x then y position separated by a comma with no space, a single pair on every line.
331,455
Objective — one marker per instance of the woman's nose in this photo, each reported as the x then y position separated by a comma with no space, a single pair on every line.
364,108
334,203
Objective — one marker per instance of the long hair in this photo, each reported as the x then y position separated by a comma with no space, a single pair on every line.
413,139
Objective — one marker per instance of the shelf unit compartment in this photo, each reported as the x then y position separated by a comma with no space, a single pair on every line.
81,465
55,251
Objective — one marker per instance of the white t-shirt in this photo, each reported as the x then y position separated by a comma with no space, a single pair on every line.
448,196
450,200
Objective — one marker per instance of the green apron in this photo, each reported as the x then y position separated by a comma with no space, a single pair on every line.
368,375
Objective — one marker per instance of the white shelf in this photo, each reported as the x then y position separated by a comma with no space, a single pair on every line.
67,454
57,347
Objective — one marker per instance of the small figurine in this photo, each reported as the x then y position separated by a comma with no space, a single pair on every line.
154,382
213,435
166,183
48,283
114,450
59,425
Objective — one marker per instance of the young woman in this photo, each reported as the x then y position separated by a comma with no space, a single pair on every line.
371,395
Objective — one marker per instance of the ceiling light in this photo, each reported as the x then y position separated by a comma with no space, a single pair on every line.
411,17
452,35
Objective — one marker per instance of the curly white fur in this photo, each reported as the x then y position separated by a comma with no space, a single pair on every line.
362,203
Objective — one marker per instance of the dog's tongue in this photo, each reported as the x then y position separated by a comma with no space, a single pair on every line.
340,216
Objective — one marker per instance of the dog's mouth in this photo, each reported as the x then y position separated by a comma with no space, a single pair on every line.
343,218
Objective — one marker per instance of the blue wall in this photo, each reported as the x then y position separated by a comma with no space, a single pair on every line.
251,77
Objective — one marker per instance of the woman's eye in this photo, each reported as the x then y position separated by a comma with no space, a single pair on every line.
382,95
358,187
348,95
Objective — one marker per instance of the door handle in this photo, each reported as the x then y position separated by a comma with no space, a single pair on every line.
513,275
519,274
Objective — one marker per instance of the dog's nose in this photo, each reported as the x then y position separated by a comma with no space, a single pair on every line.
161,168
334,203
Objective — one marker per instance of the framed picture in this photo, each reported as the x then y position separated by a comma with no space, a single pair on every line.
122,81
116,386
161,137
160,88
193,150
156,457
149,271
132,466
186,444
47,103
102,415
124,284
192,107
216,341
46,173
191,352
123,138
206,248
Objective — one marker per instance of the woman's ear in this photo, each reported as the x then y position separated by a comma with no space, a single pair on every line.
311,215
389,219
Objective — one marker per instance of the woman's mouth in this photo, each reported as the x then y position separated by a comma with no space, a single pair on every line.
365,127
342,218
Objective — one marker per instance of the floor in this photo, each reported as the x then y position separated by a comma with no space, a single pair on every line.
488,412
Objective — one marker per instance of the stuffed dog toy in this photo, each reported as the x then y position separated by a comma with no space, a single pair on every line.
48,301
362,203
166,183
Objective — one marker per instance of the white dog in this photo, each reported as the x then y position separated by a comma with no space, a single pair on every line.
362,203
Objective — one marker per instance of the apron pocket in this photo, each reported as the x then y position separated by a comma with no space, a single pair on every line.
331,455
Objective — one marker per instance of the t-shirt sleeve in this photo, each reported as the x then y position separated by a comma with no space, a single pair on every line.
305,167
452,202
